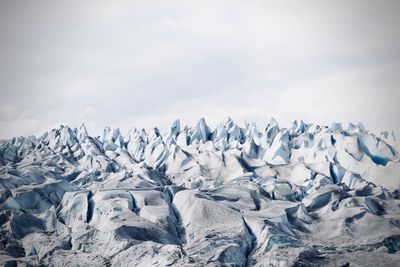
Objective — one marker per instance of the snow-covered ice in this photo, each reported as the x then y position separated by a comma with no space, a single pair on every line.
307,195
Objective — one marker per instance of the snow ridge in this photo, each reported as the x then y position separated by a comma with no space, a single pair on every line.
304,196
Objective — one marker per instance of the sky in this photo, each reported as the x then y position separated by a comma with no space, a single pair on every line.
145,63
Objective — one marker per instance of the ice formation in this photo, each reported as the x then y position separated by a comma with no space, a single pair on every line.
308,195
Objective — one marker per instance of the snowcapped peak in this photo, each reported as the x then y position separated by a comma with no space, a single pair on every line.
297,127
252,132
220,131
82,132
82,127
201,131
176,126
270,132
175,129
228,121
67,136
110,134
131,132
272,123
201,123
155,133
279,152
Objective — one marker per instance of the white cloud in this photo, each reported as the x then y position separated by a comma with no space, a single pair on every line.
144,63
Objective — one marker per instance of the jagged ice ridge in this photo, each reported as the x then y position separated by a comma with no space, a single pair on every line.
308,195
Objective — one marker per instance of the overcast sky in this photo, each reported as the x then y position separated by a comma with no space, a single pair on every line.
145,63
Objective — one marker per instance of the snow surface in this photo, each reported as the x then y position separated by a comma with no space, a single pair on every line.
308,195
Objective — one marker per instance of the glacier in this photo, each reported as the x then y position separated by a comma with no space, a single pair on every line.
307,195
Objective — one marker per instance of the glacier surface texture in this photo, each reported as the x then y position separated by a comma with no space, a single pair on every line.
307,195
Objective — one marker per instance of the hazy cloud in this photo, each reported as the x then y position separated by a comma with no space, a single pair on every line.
145,63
